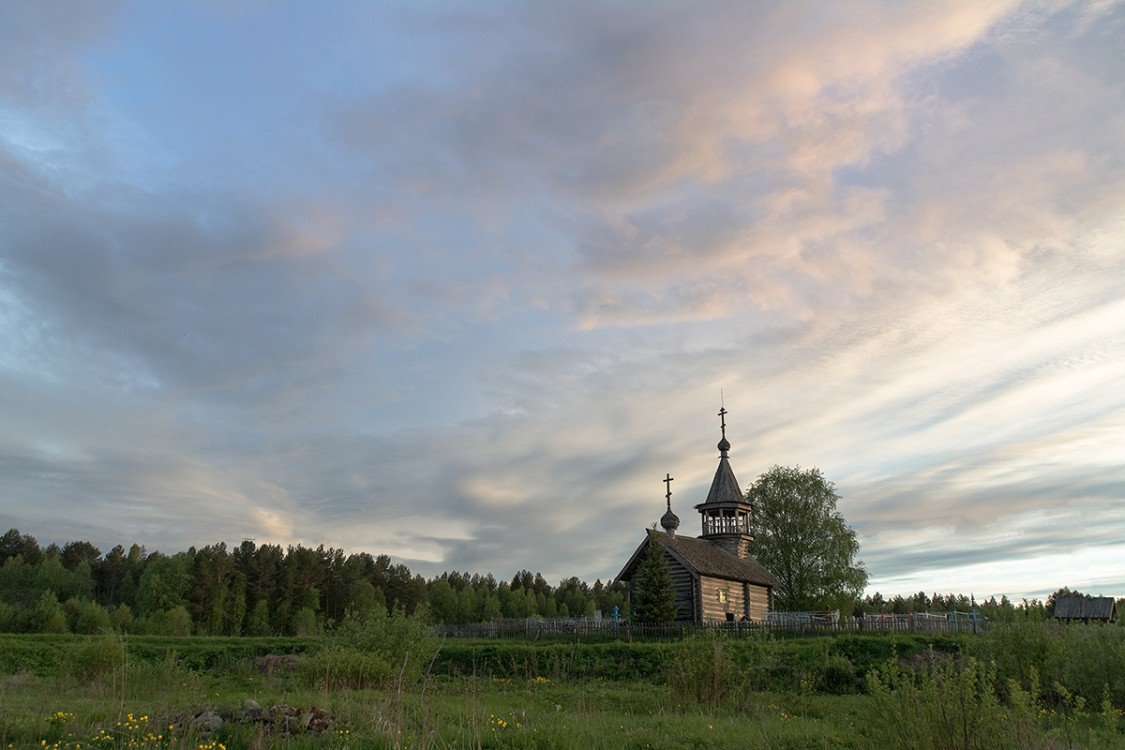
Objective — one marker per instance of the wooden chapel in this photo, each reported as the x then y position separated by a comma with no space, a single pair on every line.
714,576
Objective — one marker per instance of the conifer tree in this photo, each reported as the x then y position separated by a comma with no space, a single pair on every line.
656,599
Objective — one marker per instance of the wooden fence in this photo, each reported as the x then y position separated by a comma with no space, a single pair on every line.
810,623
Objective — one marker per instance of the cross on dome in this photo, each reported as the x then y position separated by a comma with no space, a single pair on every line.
724,444
670,521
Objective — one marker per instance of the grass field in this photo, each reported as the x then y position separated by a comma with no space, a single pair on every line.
108,692
460,713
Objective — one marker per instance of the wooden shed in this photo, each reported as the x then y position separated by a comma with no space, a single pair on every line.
1086,609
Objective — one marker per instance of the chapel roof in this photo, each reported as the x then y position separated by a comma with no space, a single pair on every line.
707,559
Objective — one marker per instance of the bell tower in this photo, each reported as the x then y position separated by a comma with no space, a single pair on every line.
725,512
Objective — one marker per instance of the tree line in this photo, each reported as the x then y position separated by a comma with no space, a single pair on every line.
255,590
996,610
262,590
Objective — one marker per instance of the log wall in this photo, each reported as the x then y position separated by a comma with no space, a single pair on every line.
737,598
683,582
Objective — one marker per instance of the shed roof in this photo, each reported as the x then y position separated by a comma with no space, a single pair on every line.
1086,608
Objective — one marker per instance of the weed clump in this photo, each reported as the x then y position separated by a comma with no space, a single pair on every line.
94,657
373,651
701,672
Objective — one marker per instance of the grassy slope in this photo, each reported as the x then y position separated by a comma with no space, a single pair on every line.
483,694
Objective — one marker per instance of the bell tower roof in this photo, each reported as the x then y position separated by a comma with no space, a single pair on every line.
726,513
724,487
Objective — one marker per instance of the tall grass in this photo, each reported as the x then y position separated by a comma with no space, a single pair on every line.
950,703
701,672
703,692
1087,661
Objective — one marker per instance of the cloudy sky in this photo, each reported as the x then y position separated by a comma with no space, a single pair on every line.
459,282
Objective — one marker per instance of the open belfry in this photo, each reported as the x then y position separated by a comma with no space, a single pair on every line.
714,576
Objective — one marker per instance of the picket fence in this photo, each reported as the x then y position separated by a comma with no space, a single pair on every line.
810,623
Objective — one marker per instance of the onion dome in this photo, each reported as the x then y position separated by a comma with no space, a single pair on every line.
670,521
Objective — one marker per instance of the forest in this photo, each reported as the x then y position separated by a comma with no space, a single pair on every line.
255,590
267,590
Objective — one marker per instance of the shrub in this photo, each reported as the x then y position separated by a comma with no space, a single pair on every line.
406,644
342,668
701,672
560,661
838,676
951,703
1093,664
93,657
1024,653
1083,660
758,659
150,677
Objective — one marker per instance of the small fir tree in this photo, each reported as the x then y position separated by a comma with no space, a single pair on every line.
656,599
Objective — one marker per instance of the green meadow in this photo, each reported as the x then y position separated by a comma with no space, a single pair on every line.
389,683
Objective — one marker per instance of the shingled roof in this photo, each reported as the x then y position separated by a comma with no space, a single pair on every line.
724,487
706,559
1086,608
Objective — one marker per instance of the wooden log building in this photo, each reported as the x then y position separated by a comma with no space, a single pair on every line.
714,575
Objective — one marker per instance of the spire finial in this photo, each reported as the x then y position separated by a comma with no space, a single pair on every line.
724,444
670,521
